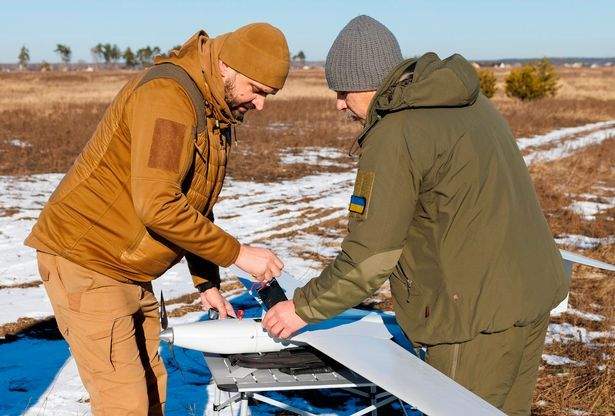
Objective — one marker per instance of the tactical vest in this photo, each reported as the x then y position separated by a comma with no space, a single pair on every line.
204,180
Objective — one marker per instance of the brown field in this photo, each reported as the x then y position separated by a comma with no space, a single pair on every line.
54,114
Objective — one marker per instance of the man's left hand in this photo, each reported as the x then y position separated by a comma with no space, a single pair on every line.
213,299
281,321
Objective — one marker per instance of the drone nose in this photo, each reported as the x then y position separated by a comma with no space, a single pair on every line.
167,335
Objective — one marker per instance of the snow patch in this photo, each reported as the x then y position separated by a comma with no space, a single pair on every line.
569,147
561,134
320,156
558,360
589,209
565,332
585,315
583,242
18,143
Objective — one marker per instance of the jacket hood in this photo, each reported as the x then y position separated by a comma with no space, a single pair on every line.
426,82
188,58
202,71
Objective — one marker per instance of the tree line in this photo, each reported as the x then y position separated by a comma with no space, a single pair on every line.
109,55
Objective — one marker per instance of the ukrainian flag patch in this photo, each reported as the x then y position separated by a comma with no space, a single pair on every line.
357,204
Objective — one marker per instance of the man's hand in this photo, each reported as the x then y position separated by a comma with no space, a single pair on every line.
281,321
213,299
259,262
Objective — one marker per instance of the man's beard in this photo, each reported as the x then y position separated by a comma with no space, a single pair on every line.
229,97
350,116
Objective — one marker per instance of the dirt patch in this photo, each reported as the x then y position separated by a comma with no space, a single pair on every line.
9,211
35,283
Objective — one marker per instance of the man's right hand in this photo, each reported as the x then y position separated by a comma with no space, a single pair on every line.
261,263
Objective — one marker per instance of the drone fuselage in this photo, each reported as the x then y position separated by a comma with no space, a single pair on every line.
225,336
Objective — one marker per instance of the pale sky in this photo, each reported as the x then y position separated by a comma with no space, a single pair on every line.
478,29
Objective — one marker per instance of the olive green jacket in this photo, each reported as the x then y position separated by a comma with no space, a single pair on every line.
444,206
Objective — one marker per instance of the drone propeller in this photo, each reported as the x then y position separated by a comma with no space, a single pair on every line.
164,320
167,334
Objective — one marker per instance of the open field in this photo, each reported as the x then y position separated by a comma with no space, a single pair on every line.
290,167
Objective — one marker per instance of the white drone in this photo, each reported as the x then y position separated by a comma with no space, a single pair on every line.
360,340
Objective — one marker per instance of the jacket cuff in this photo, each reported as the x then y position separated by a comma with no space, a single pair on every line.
202,287
229,254
302,307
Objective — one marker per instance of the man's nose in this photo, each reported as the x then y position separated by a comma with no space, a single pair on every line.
341,105
259,103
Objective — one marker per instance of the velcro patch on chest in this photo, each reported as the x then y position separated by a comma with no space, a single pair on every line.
359,201
167,143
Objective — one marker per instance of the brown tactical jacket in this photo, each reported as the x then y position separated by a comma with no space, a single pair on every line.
140,195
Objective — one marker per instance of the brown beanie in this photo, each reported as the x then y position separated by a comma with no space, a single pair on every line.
258,51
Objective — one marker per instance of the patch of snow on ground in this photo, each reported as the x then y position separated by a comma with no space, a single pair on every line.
585,315
557,360
567,148
588,205
320,156
565,332
560,134
25,196
583,242
18,143
576,412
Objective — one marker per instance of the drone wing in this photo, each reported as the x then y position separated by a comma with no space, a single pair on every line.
399,372
571,257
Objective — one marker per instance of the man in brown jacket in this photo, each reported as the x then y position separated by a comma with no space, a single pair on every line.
139,198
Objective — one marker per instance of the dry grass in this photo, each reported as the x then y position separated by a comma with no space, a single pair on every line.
56,113
589,386
305,84
37,91
574,83
558,182
51,137
287,124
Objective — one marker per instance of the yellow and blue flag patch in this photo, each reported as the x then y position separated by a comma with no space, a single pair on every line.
357,204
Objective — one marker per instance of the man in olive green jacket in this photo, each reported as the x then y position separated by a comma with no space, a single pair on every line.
443,206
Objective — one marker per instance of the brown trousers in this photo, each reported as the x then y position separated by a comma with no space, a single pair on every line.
112,329
501,367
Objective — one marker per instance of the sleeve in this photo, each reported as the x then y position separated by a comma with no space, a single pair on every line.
381,209
203,271
161,119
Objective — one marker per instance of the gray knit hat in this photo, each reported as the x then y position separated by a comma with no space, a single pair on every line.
361,56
